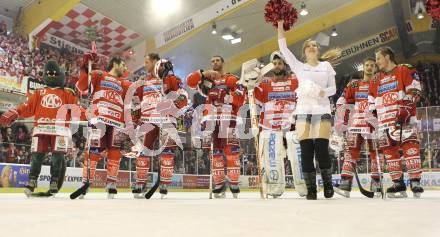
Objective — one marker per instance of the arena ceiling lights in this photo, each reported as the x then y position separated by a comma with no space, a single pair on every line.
166,7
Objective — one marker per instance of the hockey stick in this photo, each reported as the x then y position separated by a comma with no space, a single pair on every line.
41,194
379,169
210,170
86,185
364,192
153,189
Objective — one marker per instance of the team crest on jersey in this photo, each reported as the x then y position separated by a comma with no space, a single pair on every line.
51,101
390,98
363,105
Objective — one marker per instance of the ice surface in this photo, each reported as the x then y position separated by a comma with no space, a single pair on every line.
193,214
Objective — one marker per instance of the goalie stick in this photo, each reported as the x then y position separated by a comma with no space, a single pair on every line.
250,73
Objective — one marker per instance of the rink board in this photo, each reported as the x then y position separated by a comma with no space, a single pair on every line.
14,175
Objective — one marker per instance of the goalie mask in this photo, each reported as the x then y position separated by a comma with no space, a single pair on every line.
162,68
53,76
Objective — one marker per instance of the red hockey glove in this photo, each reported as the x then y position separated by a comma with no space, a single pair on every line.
404,114
8,117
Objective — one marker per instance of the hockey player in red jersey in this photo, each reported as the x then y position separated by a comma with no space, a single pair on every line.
394,97
223,100
354,106
106,114
161,97
51,107
277,99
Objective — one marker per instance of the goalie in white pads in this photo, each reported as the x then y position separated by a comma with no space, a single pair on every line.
277,99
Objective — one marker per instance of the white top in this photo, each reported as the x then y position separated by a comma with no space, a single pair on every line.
311,79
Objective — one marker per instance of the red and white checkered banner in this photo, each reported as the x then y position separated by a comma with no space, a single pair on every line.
72,27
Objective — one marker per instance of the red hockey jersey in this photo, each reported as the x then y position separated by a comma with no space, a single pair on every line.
108,95
277,99
389,92
46,107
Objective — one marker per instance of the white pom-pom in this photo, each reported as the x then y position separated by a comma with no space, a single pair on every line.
307,88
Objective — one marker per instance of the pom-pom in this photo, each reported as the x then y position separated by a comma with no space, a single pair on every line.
277,10
308,89
433,9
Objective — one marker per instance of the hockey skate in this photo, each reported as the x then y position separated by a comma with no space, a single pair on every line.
416,188
139,191
235,191
398,190
375,186
344,188
219,192
163,190
111,190
30,187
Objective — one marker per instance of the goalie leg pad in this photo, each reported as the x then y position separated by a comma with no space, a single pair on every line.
166,166
294,156
273,155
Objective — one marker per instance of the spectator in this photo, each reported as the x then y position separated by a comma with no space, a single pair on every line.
21,135
11,154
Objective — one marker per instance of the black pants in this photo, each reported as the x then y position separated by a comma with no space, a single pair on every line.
311,148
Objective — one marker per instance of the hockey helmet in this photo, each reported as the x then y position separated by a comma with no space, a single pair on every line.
277,54
162,68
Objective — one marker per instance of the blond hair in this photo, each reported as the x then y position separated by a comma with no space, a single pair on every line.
331,55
